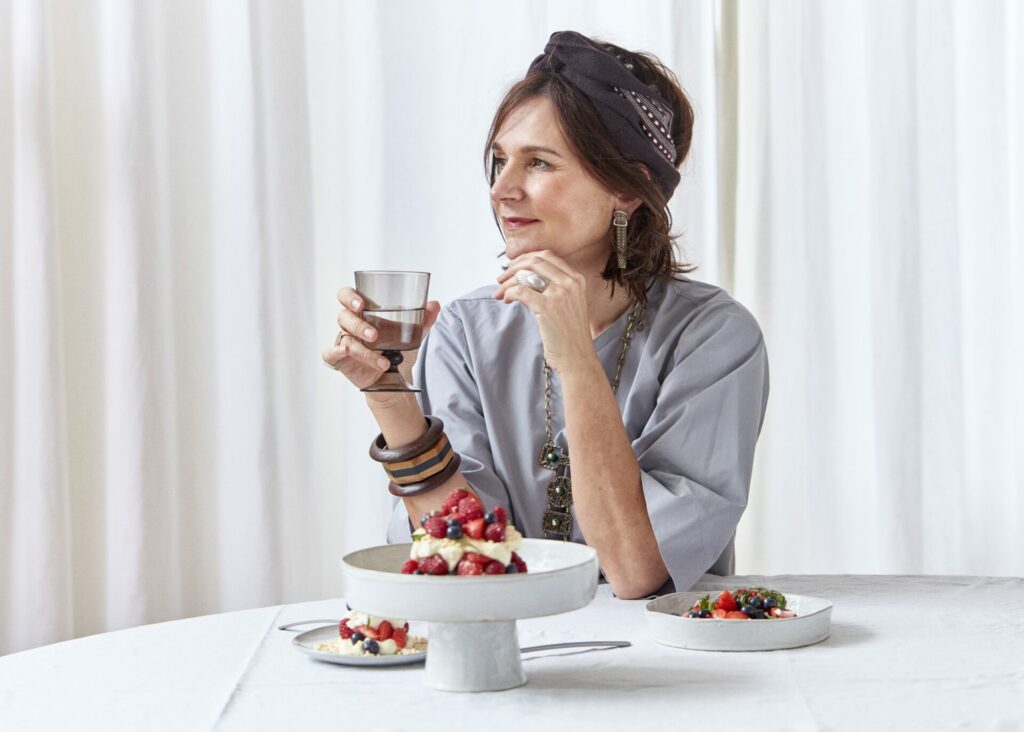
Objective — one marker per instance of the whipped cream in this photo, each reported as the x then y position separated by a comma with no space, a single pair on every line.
387,648
452,550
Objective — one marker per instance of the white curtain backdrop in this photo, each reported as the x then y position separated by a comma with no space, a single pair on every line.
184,186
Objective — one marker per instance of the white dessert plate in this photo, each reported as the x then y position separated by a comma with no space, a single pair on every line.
308,641
811,625
562,576
474,645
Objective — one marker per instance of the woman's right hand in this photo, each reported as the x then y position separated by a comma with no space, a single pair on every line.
351,354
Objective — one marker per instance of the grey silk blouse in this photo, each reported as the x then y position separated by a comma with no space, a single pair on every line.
693,393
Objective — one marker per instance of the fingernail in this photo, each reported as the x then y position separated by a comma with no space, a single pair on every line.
383,363
343,350
368,332
356,303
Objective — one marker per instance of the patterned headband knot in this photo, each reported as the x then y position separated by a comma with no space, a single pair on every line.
637,117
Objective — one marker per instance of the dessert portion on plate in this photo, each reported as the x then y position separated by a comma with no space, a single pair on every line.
368,635
462,539
746,603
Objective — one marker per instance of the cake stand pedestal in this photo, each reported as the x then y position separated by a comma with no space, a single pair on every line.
472,640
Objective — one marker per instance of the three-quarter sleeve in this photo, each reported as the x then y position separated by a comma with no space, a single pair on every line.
696,452
444,371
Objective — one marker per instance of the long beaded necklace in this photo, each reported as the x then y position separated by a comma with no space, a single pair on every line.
557,520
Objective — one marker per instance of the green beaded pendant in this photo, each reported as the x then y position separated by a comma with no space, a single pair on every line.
560,492
552,456
556,522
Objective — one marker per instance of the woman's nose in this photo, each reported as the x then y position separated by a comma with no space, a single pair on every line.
506,186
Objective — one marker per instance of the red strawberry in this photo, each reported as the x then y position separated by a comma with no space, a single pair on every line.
434,564
452,501
470,509
368,632
500,517
495,532
474,529
474,557
725,602
436,527
518,561
718,613
345,631
494,567
410,566
400,637
466,567
384,630
736,615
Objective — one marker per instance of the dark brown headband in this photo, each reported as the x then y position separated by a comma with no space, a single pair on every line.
638,118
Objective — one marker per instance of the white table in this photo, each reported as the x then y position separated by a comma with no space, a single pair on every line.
906,653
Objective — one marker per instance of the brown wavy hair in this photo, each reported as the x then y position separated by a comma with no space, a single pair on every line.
650,242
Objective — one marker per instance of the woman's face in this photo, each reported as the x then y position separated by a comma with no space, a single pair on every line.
543,197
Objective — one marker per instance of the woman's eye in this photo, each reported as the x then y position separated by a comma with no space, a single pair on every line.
497,164
540,163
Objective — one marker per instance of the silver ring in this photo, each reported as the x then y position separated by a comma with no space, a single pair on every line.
532,280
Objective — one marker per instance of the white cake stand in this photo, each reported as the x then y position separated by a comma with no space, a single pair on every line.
473,644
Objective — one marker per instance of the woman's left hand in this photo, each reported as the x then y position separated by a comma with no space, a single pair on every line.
561,309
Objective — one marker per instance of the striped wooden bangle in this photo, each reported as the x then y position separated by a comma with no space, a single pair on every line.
421,465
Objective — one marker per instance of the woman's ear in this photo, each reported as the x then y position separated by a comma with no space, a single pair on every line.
629,204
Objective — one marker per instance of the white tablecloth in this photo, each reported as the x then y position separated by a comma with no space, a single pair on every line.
906,653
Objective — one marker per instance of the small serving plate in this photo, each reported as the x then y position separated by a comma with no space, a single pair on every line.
811,625
308,641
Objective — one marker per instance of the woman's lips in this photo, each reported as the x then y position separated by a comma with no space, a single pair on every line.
514,222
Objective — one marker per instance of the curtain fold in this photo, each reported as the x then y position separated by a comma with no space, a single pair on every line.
878,240
184,186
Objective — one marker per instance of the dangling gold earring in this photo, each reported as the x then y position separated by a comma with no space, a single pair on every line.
620,221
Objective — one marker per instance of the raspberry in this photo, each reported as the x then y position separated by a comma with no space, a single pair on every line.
518,561
436,527
466,567
495,532
345,631
500,517
452,501
410,566
725,602
494,567
434,564
474,529
470,509
400,637
384,630
474,557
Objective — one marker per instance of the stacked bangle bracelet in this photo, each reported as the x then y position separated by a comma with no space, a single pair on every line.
420,466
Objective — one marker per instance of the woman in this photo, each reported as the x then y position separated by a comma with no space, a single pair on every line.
593,345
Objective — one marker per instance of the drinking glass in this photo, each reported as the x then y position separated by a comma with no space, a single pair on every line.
395,305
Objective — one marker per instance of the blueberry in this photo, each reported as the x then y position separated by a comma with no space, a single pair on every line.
489,517
769,603
511,569
416,571
371,646
704,614
692,614
454,522
755,602
749,610
758,614
424,519
356,637
454,532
